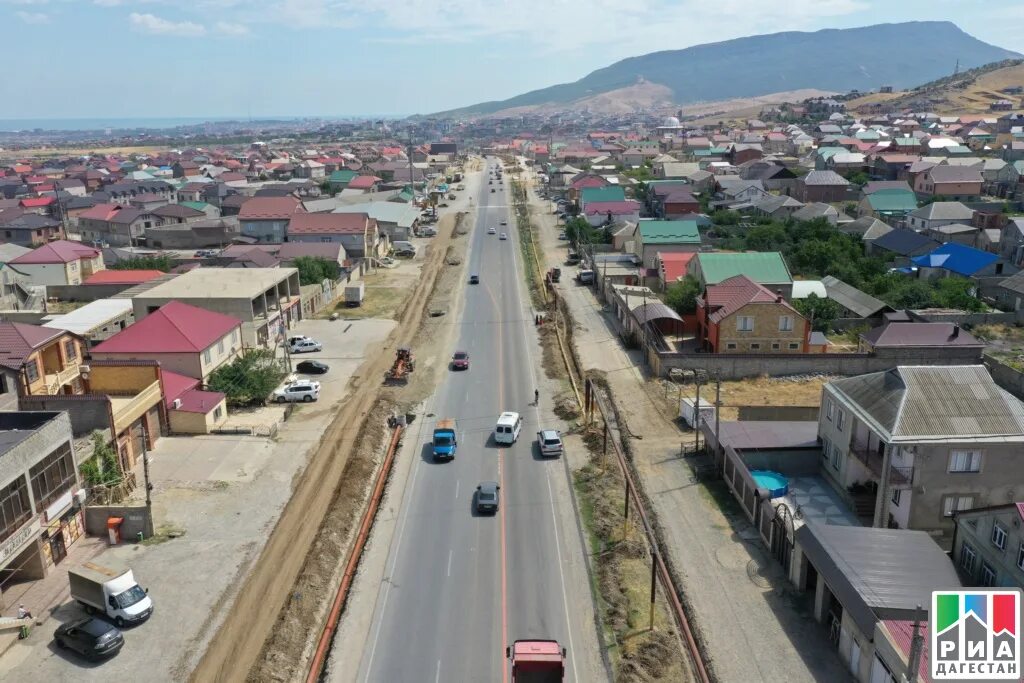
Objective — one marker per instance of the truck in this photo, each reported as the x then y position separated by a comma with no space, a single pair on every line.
112,591
689,411
585,276
536,661
354,294
445,439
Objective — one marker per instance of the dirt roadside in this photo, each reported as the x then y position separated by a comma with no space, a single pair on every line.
290,579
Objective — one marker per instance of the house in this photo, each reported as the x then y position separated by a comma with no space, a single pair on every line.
947,339
179,213
190,409
890,206
184,339
821,186
357,232
38,360
1011,241
765,268
952,259
738,315
900,245
39,518
870,586
936,214
95,321
339,180
202,233
773,175
58,263
266,300
678,203
28,229
607,193
1010,292
396,220
115,224
367,183
601,213
867,228
734,190
955,232
652,237
952,183
267,219
779,207
988,545
672,266
940,453
816,210
853,303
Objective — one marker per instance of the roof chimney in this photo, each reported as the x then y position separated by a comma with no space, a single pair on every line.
956,331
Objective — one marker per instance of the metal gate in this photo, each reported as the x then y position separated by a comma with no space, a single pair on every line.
783,534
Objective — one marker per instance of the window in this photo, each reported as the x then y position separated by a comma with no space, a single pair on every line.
988,575
840,419
775,347
72,266
207,356
744,323
52,477
826,447
15,509
836,455
967,557
731,346
828,409
70,350
794,346
896,495
234,337
217,413
31,371
786,323
951,504
220,347
755,346
1020,557
998,536
965,461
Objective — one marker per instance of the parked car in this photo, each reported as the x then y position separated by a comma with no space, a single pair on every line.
474,279
503,236
563,236
303,390
312,367
91,638
487,496
491,230
460,360
550,442
306,345
296,338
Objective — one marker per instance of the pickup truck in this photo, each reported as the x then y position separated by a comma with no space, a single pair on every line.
445,439
111,591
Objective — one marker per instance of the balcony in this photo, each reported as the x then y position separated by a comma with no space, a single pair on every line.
56,380
129,408
899,477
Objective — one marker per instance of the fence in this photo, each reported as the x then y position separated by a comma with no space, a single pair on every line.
1007,377
136,520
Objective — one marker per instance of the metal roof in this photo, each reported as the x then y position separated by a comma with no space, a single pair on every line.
767,268
851,298
94,314
654,311
877,573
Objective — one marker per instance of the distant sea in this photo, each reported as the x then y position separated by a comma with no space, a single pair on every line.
11,125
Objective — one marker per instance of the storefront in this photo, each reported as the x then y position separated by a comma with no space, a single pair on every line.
65,526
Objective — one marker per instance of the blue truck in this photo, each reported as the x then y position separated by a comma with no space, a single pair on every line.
445,439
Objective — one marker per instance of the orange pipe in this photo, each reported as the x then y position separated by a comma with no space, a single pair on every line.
317,665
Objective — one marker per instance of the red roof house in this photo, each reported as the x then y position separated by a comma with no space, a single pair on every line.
672,266
739,315
58,263
184,339
122,277
190,410
363,182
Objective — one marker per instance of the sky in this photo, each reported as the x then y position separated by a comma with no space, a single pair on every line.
259,58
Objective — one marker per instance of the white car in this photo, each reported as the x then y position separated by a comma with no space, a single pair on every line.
303,390
306,345
550,442
491,231
503,236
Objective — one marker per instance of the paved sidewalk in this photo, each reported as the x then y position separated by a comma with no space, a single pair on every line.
753,628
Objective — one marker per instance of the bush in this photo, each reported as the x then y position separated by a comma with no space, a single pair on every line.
249,379
682,296
159,262
313,269
102,469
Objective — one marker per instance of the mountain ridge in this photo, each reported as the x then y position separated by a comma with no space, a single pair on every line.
864,58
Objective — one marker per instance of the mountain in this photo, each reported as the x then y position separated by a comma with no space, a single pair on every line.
900,55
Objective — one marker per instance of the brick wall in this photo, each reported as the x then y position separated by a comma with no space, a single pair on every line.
87,413
43,441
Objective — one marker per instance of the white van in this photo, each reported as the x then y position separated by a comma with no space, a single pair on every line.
508,428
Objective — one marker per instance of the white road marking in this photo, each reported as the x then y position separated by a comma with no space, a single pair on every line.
449,563
457,482
437,676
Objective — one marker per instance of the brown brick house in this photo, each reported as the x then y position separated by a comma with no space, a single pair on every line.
739,315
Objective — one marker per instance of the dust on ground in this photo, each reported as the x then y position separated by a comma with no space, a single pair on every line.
799,390
286,654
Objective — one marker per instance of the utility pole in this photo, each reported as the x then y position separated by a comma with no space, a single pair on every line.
696,416
718,410
149,531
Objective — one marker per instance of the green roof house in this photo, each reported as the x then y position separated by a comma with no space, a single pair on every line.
340,179
671,237
887,205
608,193
766,268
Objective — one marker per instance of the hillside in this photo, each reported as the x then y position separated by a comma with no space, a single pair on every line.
969,92
901,55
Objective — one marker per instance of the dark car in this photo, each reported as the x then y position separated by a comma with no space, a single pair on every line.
460,360
92,638
312,367
474,279
487,496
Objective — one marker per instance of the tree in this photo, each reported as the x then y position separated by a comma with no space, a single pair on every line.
102,469
859,178
248,379
159,262
681,296
820,312
725,217
958,293
315,269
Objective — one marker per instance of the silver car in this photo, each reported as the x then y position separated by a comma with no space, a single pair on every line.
550,442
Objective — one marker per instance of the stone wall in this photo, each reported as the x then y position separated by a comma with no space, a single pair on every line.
136,520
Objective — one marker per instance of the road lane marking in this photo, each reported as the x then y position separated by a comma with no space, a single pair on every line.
457,481
437,676
449,563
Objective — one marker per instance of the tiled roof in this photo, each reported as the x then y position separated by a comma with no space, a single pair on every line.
363,182
270,208
175,385
175,328
60,251
328,223
767,268
669,232
122,277
732,294
18,340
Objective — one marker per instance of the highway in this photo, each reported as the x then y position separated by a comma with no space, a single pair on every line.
459,587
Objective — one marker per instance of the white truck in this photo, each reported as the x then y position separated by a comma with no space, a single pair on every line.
354,294
111,591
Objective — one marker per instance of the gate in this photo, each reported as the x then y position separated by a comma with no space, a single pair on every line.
783,533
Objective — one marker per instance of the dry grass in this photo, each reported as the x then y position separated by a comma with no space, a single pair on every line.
80,151
380,302
1007,333
760,391
974,99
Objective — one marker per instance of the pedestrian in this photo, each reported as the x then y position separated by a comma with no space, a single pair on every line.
536,397
23,613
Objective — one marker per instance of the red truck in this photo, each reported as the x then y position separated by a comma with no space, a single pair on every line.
536,661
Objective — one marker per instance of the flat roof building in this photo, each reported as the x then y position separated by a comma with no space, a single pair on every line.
97,320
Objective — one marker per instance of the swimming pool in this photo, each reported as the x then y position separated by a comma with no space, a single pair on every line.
776,483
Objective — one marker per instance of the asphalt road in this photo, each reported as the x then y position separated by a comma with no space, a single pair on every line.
458,586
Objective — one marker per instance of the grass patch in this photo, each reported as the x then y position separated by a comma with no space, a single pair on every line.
164,533
1006,333
527,244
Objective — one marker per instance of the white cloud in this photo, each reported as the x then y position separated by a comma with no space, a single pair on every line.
150,23
229,29
33,17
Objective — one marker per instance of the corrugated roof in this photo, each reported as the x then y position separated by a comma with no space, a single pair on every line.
904,242
674,265
922,403
654,311
175,328
83,320
956,258
60,251
122,277
824,178
901,633
607,193
851,298
893,200
669,232
877,573
767,268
